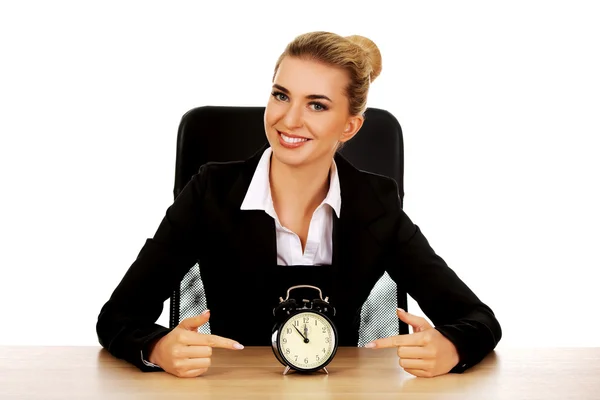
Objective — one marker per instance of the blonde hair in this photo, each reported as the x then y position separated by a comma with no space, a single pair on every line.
355,54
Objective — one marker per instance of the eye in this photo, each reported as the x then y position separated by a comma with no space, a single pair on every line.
279,96
316,106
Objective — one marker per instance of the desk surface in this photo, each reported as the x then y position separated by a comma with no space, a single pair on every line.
253,373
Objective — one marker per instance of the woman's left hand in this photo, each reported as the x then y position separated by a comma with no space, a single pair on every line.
425,352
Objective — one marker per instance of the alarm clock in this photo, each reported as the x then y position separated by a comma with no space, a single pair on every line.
304,337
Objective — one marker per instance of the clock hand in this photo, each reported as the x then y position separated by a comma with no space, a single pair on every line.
305,331
297,330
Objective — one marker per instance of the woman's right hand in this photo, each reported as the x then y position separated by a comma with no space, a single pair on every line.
184,352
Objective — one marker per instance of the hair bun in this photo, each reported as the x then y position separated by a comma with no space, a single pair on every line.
372,51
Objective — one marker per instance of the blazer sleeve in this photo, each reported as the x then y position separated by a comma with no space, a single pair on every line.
451,305
127,322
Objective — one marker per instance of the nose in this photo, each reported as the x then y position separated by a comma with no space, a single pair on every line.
293,117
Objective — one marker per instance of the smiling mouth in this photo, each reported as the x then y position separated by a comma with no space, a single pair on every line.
292,140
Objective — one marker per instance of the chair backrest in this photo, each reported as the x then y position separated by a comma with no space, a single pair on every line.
219,133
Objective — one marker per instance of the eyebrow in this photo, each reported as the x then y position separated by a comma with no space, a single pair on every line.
310,96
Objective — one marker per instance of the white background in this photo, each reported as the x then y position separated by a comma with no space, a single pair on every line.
499,103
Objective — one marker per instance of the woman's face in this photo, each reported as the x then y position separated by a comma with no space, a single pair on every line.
307,114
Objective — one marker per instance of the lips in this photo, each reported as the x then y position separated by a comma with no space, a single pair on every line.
289,136
291,141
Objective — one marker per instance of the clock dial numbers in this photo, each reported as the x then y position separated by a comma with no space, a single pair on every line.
307,340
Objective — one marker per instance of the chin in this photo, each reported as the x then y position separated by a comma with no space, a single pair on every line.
290,158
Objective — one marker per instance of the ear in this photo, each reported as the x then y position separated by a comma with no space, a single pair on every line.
353,125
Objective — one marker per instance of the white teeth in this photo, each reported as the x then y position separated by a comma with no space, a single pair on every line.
292,140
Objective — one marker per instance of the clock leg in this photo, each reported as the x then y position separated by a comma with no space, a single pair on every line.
325,370
287,369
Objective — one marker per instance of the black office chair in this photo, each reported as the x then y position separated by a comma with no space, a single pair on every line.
217,133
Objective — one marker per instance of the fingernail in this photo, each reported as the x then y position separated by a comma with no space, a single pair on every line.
370,345
401,310
205,312
238,346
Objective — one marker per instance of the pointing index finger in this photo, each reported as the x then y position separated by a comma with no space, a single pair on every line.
224,343
413,339
195,339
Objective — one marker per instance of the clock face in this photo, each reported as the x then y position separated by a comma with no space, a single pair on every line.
307,341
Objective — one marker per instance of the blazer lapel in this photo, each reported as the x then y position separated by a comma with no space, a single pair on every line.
253,230
356,246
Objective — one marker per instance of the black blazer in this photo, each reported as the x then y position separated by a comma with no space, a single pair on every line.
236,251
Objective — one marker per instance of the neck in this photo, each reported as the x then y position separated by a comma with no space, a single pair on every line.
301,188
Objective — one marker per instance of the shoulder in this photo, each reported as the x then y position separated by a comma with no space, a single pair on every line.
383,185
363,186
385,189
228,172
221,175
224,182
221,172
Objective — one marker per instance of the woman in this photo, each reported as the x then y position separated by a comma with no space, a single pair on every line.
296,212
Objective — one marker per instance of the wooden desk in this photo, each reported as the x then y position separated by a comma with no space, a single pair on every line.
253,373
